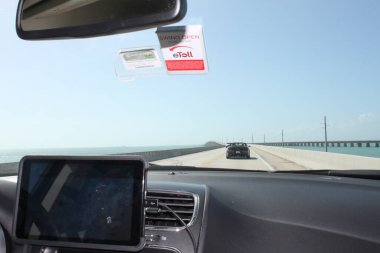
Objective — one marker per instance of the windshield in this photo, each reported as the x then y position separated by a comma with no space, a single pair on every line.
292,79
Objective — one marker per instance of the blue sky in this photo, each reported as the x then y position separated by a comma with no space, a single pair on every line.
273,65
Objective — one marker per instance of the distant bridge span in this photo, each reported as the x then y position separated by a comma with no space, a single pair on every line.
367,143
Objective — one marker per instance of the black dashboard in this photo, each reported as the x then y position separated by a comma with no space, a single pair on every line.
242,211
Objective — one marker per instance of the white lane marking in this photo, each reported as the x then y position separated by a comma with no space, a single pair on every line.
263,161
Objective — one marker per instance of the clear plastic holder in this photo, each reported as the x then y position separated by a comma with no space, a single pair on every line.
139,62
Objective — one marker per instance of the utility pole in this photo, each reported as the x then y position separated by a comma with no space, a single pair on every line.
252,138
264,138
325,134
282,137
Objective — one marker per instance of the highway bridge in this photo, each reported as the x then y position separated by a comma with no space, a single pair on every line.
271,158
367,143
216,158
266,157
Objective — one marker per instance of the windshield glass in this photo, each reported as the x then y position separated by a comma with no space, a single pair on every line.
292,79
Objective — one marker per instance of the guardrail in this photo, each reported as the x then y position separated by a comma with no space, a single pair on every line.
150,156
8,168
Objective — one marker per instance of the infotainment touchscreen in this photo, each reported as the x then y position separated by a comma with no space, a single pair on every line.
89,202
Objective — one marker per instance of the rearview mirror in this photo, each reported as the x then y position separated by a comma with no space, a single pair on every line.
47,19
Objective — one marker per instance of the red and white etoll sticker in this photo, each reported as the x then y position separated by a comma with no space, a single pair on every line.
183,49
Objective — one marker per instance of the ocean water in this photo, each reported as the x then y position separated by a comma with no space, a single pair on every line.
359,151
14,155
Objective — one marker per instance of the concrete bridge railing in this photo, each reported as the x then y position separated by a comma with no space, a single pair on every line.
150,156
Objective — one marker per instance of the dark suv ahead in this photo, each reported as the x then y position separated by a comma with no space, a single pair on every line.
237,149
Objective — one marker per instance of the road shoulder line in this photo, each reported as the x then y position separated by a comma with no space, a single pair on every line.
263,161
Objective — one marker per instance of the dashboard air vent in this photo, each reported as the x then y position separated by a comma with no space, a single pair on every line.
183,204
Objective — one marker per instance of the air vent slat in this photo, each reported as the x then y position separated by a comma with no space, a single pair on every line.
166,218
160,218
176,204
177,211
173,198
181,203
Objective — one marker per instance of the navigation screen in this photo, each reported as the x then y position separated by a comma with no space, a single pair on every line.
84,201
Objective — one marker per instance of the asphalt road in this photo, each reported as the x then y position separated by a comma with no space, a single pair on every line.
217,159
278,163
260,160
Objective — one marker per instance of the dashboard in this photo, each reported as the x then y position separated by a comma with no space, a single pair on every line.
243,211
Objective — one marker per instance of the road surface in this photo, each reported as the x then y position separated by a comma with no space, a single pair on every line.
278,163
216,159
260,160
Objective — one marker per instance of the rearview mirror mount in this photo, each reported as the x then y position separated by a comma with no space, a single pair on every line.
51,19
